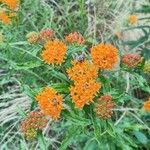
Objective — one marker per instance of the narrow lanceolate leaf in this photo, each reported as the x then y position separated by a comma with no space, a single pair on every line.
41,141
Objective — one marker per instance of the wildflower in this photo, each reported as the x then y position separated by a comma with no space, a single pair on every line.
104,56
147,68
54,52
50,102
104,107
35,121
132,19
83,92
82,70
4,17
75,37
12,4
32,37
131,60
147,105
46,35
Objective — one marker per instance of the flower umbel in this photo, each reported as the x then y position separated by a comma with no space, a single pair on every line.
131,60
82,71
147,105
75,37
83,92
35,121
12,4
50,102
104,107
54,52
4,17
32,37
46,35
104,56
132,19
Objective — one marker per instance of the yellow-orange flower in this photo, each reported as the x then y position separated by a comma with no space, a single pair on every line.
146,68
82,71
147,105
104,56
104,107
54,52
82,92
50,102
4,17
132,19
12,4
75,37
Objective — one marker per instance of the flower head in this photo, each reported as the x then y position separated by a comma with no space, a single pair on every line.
12,4
46,35
132,19
4,17
82,71
32,37
104,107
75,37
54,52
147,105
131,60
50,102
147,68
83,92
35,121
104,56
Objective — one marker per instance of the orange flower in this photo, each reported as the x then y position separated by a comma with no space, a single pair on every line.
147,105
75,38
82,71
54,52
131,60
35,121
50,102
104,107
4,17
12,4
104,56
132,19
83,92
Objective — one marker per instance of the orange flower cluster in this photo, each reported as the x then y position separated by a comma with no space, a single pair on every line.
12,4
147,105
131,60
54,52
46,34
50,102
35,121
104,56
4,17
85,86
104,107
75,37
132,19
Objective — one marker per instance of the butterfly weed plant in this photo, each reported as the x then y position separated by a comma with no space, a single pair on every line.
74,75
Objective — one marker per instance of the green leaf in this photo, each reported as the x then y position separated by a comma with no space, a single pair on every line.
41,141
141,137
